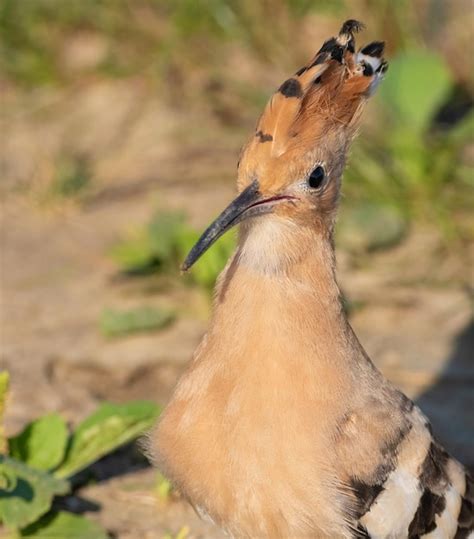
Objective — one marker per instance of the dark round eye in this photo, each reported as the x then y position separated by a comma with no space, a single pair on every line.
316,177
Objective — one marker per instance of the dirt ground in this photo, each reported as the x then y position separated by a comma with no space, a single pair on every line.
412,306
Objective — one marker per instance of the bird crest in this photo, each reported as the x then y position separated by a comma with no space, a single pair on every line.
322,97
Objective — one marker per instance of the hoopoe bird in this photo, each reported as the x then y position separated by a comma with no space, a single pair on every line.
282,427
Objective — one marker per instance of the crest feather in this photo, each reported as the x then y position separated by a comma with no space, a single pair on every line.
329,90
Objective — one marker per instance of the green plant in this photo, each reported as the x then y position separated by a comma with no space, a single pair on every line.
182,534
62,525
73,176
163,487
156,247
40,461
4,379
164,243
115,323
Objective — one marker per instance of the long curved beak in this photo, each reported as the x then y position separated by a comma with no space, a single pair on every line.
248,204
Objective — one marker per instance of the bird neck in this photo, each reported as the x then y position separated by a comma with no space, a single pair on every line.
284,273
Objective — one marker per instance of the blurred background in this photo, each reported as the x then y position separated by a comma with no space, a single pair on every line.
121,124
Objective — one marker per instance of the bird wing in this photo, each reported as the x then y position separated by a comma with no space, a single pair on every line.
417,490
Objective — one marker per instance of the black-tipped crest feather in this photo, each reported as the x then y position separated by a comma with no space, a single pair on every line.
344,79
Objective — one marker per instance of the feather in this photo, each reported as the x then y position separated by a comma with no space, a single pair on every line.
330,88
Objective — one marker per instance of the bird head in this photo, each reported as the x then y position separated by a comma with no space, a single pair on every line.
292,165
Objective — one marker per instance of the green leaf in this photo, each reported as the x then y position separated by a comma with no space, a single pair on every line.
111,426
42,443
117,323
4,383
133,253
415,87
26,493
63,525
208,268
163,231
463,131
154,247
163,487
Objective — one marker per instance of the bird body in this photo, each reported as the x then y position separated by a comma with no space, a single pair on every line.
282,427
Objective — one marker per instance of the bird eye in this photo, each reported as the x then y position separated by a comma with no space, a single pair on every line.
316,177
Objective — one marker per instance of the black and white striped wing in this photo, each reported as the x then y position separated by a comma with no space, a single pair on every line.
424,493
